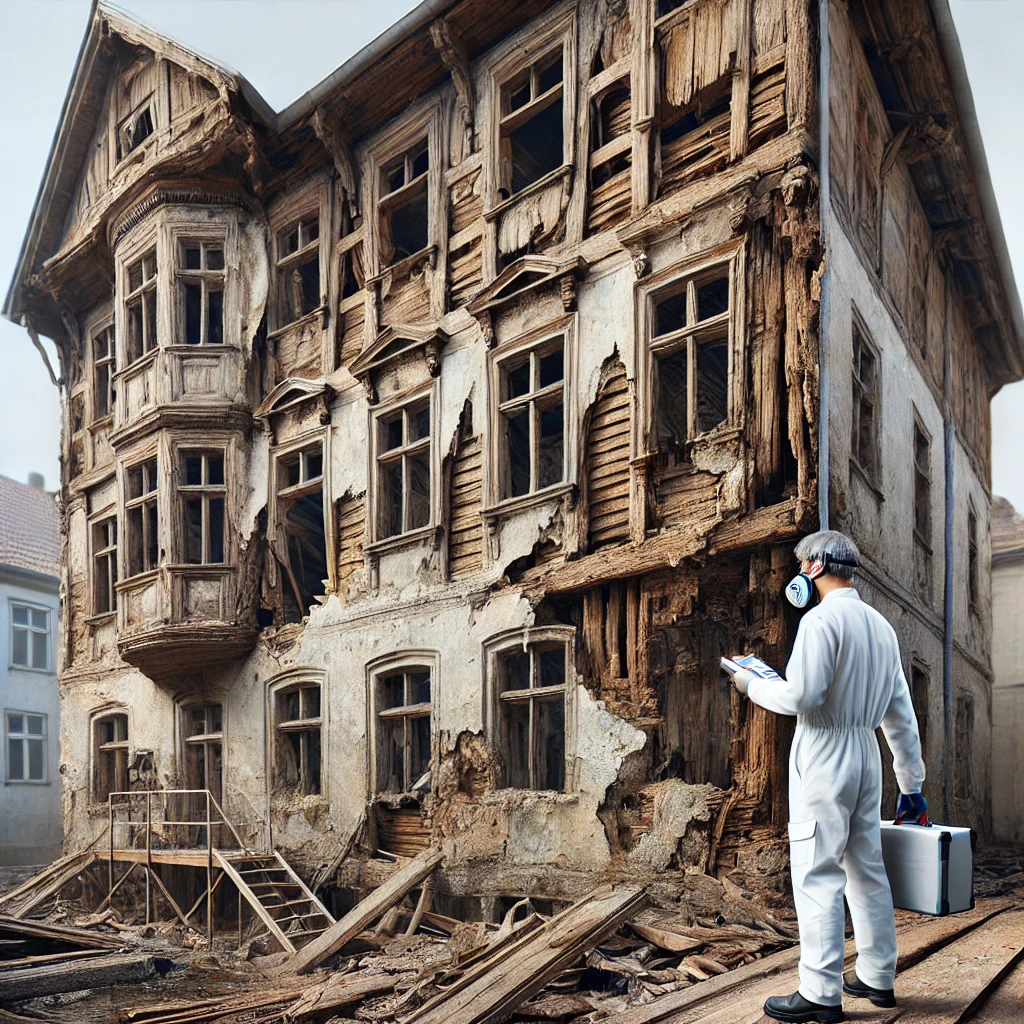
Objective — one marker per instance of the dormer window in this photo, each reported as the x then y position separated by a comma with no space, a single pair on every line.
298,269
134,131
532,135
201,292
403,209
140,307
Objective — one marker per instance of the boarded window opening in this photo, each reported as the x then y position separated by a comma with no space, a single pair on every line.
110,756
694,140
300,511
611,158
531,129
142,517
403,211
299,723
403,700
104,565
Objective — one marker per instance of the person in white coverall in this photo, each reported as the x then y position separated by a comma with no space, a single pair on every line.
843,680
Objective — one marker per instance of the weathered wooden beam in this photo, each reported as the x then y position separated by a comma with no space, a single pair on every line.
51,979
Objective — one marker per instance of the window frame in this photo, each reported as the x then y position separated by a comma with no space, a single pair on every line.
922,536
148,291
190,741
871,473
520,640
141,501
287,262
663,284
407,193
25,736
376,671
204,277
107,364
277,689
109,553
378,415
204,492
114,746
120,153
30,630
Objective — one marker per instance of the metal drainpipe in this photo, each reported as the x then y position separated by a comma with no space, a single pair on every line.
825,198
948,438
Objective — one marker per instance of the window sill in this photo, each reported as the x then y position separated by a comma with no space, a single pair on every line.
427,253
101,618
537,186
320,313
140,364
28,668
102,422
138,580
183,349
858,470
510,506
380,547
27,782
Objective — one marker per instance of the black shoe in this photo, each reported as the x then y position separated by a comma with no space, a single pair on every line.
795,1009
853,986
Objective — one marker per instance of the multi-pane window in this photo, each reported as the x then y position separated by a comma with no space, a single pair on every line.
298,727
531,129
110,755
972,560
864,443
531,406
690,344
26,747
300,511
104,565
103,371
201,292
298,269
531,699
403,469
30,637
403,219
204,736
140,307
202,493
141,517
403,728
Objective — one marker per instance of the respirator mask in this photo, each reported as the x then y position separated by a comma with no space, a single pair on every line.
801,591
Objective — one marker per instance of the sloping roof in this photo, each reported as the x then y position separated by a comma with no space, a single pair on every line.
1007,528
29,528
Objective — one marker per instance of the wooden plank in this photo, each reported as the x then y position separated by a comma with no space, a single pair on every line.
365,913
48,891
51,979
1006,1004
345,990
502,982
59,933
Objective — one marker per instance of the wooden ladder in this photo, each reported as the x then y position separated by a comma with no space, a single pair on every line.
283,902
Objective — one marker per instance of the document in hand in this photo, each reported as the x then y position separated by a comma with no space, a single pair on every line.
753,665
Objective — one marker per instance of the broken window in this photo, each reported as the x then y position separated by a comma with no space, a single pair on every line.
204,736
202,493
403,210
103,372
298,269
532,691
403,703
611,157
30,637
140,307
531,405
300,514
920,682
298,729
403,469
531,129
201,292
864,444
142,517
134,130
26,747
972,559
110,755
690,345
104,565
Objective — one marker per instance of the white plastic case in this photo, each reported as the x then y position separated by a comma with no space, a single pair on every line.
930,867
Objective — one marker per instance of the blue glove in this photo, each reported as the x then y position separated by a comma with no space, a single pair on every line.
912,808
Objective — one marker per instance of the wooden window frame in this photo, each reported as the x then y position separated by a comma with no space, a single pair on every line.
104,561
118,749
142,501
302,727
872,473
31,631
403,664
25,738
518,641
286,263
104,366
208,280
146,296
923,471
205,740
124,133
413,187
204,492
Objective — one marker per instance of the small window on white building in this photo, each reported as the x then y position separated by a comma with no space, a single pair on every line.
26,747
110,755
30,637
298,722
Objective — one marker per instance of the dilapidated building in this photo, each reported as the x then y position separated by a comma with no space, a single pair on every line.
426,443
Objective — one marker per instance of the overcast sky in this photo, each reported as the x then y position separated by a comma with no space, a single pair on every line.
284,47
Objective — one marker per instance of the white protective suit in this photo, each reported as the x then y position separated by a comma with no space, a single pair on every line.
843,680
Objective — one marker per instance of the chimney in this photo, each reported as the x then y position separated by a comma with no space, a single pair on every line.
37,480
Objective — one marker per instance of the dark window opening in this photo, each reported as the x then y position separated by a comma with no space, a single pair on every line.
201,285
110,756
864,441
204,760
203,494
140,307
299,722
142,517
300,509
134,132
404,219
403,715
104,565
403,470
972,560
298,269
103,372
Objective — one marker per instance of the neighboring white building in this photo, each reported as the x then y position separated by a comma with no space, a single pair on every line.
30,808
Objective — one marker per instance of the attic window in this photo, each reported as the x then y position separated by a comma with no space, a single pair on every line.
134,131
403,217
298,269
532,137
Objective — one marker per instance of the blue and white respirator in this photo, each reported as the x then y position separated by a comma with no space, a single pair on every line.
801,591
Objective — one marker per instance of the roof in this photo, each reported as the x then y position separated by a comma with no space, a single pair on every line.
1007,528
29,528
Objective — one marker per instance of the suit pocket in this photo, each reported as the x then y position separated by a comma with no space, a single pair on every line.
801,843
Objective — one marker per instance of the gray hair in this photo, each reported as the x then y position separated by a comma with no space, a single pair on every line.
836,545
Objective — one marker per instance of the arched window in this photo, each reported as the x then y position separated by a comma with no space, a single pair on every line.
110,755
